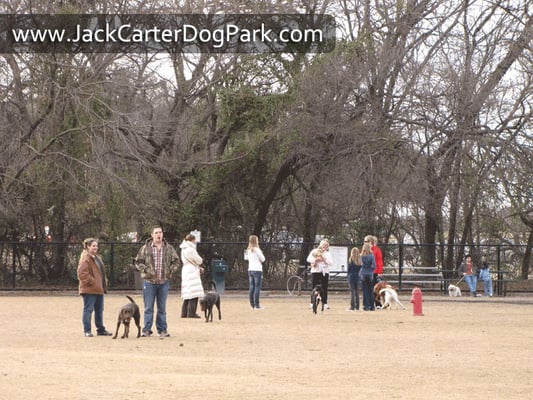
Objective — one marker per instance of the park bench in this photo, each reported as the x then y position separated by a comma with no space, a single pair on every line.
338,279
429,278
426,277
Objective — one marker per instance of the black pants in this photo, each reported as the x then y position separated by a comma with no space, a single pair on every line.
188,308
318,278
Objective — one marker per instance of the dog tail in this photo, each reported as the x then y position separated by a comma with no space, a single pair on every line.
133,301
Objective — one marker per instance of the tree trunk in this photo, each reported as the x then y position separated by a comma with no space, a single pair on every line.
431,218
310,227
454,208
285,170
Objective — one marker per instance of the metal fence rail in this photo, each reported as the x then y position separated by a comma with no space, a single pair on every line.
52,265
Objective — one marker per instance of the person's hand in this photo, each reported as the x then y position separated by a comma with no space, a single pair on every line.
201,270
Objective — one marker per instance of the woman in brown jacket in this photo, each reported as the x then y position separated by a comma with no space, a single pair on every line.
92,277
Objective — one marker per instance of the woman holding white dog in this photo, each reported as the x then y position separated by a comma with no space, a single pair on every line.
321,260
367,276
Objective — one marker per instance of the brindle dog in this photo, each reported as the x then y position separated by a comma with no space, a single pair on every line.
316,298
127,312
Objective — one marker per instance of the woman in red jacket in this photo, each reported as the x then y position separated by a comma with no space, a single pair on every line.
93,285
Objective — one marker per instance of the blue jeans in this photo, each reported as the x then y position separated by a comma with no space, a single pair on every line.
155,294
484,275
368,292
254,278
354,295
471,281
93,302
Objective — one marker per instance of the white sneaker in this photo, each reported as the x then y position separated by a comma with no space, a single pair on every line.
326,307
311,305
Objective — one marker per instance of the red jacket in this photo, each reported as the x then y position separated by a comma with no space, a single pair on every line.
91,280
379,259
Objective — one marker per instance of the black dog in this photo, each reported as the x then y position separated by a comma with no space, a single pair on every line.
127,312
211,298
316,298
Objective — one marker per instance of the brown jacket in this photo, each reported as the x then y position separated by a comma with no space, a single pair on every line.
91,280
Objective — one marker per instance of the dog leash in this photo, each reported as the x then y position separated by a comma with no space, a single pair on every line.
459,281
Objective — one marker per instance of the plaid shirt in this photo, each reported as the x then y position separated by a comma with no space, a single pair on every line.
157,255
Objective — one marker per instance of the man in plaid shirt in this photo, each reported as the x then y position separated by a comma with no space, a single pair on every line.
157,261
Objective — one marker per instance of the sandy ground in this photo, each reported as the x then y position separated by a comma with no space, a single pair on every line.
460,349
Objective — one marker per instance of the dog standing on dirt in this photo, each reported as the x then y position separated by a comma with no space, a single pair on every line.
377,297
454,291
210,299
316,298
389,296
126,313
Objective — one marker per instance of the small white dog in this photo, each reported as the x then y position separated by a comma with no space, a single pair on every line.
389,297
454,291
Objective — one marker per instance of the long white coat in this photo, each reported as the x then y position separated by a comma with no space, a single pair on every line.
191,282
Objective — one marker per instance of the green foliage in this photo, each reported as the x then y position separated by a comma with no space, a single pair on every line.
243,111
223,196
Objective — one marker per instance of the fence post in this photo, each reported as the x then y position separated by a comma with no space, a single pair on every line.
499,283
112,264
400,265
14,267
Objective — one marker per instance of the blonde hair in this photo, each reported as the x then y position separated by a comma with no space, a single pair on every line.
322,243
253,241
86,243
355,255
367,249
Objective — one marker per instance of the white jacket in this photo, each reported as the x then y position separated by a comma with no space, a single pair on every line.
255,259
191,282
320,266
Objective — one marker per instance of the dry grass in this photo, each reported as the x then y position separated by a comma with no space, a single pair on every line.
460,348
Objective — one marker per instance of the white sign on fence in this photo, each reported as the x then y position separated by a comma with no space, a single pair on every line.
340,257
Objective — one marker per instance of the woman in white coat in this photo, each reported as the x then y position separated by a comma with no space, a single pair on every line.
191,281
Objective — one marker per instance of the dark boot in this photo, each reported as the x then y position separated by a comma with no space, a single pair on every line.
191,310
184,308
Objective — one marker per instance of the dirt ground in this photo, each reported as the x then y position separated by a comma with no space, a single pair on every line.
461,348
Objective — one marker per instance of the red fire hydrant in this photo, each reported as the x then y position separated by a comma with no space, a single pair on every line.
416,299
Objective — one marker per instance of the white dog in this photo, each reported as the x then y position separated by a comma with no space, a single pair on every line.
454,291
389,297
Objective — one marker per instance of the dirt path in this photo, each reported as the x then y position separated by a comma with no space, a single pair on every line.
469,348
